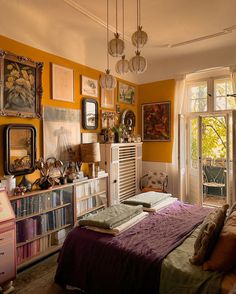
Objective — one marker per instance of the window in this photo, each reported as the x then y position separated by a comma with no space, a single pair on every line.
223,88
212,94
197,95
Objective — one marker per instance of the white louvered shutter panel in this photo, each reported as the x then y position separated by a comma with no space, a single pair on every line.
127,171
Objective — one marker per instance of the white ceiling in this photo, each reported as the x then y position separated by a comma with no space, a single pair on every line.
76,29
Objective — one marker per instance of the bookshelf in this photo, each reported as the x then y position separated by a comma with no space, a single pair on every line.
43,219
91,195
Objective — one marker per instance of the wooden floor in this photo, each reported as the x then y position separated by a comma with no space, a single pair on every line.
39,279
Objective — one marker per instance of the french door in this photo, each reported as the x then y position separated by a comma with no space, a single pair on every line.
207,166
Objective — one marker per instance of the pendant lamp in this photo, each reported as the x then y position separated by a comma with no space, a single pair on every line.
122,66
107,81
139,38
138,63
116,46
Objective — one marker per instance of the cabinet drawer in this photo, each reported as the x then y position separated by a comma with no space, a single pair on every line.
7,261
6,237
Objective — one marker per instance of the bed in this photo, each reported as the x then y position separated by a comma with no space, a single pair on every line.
142,259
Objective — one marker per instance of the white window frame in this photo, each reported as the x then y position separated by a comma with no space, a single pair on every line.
210,93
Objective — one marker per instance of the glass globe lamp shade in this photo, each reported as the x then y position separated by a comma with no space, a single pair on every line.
138,63
139,38
107,81
116,46
122,66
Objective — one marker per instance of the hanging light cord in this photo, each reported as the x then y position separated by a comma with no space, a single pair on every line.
116,18
123,12
139,13
107,34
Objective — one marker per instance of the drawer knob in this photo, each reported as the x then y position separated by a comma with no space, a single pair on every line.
2,253
115,181
2,273
1,239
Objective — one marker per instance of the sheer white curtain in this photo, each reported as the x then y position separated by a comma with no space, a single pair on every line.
233,77
179,108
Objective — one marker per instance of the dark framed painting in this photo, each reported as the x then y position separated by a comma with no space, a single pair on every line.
156,121
126,93
21,86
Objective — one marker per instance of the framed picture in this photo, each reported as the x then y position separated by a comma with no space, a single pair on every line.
108,119
89,114
126,93
62,83
89,87
89,138
61,127
117,108
20,86
107,98
156,121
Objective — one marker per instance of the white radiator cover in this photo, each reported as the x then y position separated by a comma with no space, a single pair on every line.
123,163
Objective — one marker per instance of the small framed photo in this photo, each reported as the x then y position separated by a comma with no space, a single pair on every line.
156,121
89,138
62,83
117,108
89,87
107,98
126,93
20,86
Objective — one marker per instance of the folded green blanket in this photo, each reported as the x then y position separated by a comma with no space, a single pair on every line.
111,217
147,199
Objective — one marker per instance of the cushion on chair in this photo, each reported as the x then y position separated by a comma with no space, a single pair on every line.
156,181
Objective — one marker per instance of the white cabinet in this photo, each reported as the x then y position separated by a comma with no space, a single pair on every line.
123,163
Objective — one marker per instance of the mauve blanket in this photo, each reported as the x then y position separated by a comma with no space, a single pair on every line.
130,262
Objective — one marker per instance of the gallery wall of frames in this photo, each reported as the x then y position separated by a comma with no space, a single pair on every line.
48,91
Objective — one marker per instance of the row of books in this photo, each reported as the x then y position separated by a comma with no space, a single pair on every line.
38,246
39,203
94,201
86,189
31,249
31,227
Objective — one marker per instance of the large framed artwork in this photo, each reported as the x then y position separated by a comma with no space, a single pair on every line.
126,93
156,124
62,83
89,87
20,86
61,133
107,98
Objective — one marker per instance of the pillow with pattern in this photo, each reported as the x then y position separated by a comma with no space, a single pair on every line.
208,235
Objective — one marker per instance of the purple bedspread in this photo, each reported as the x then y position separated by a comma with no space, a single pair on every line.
130,262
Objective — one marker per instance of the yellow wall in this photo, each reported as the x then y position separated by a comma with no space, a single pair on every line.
46,58
155,92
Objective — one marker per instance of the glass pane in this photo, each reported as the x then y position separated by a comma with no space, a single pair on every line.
223,88
198,105
214,160
197,95
231,102
194,143
220,103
